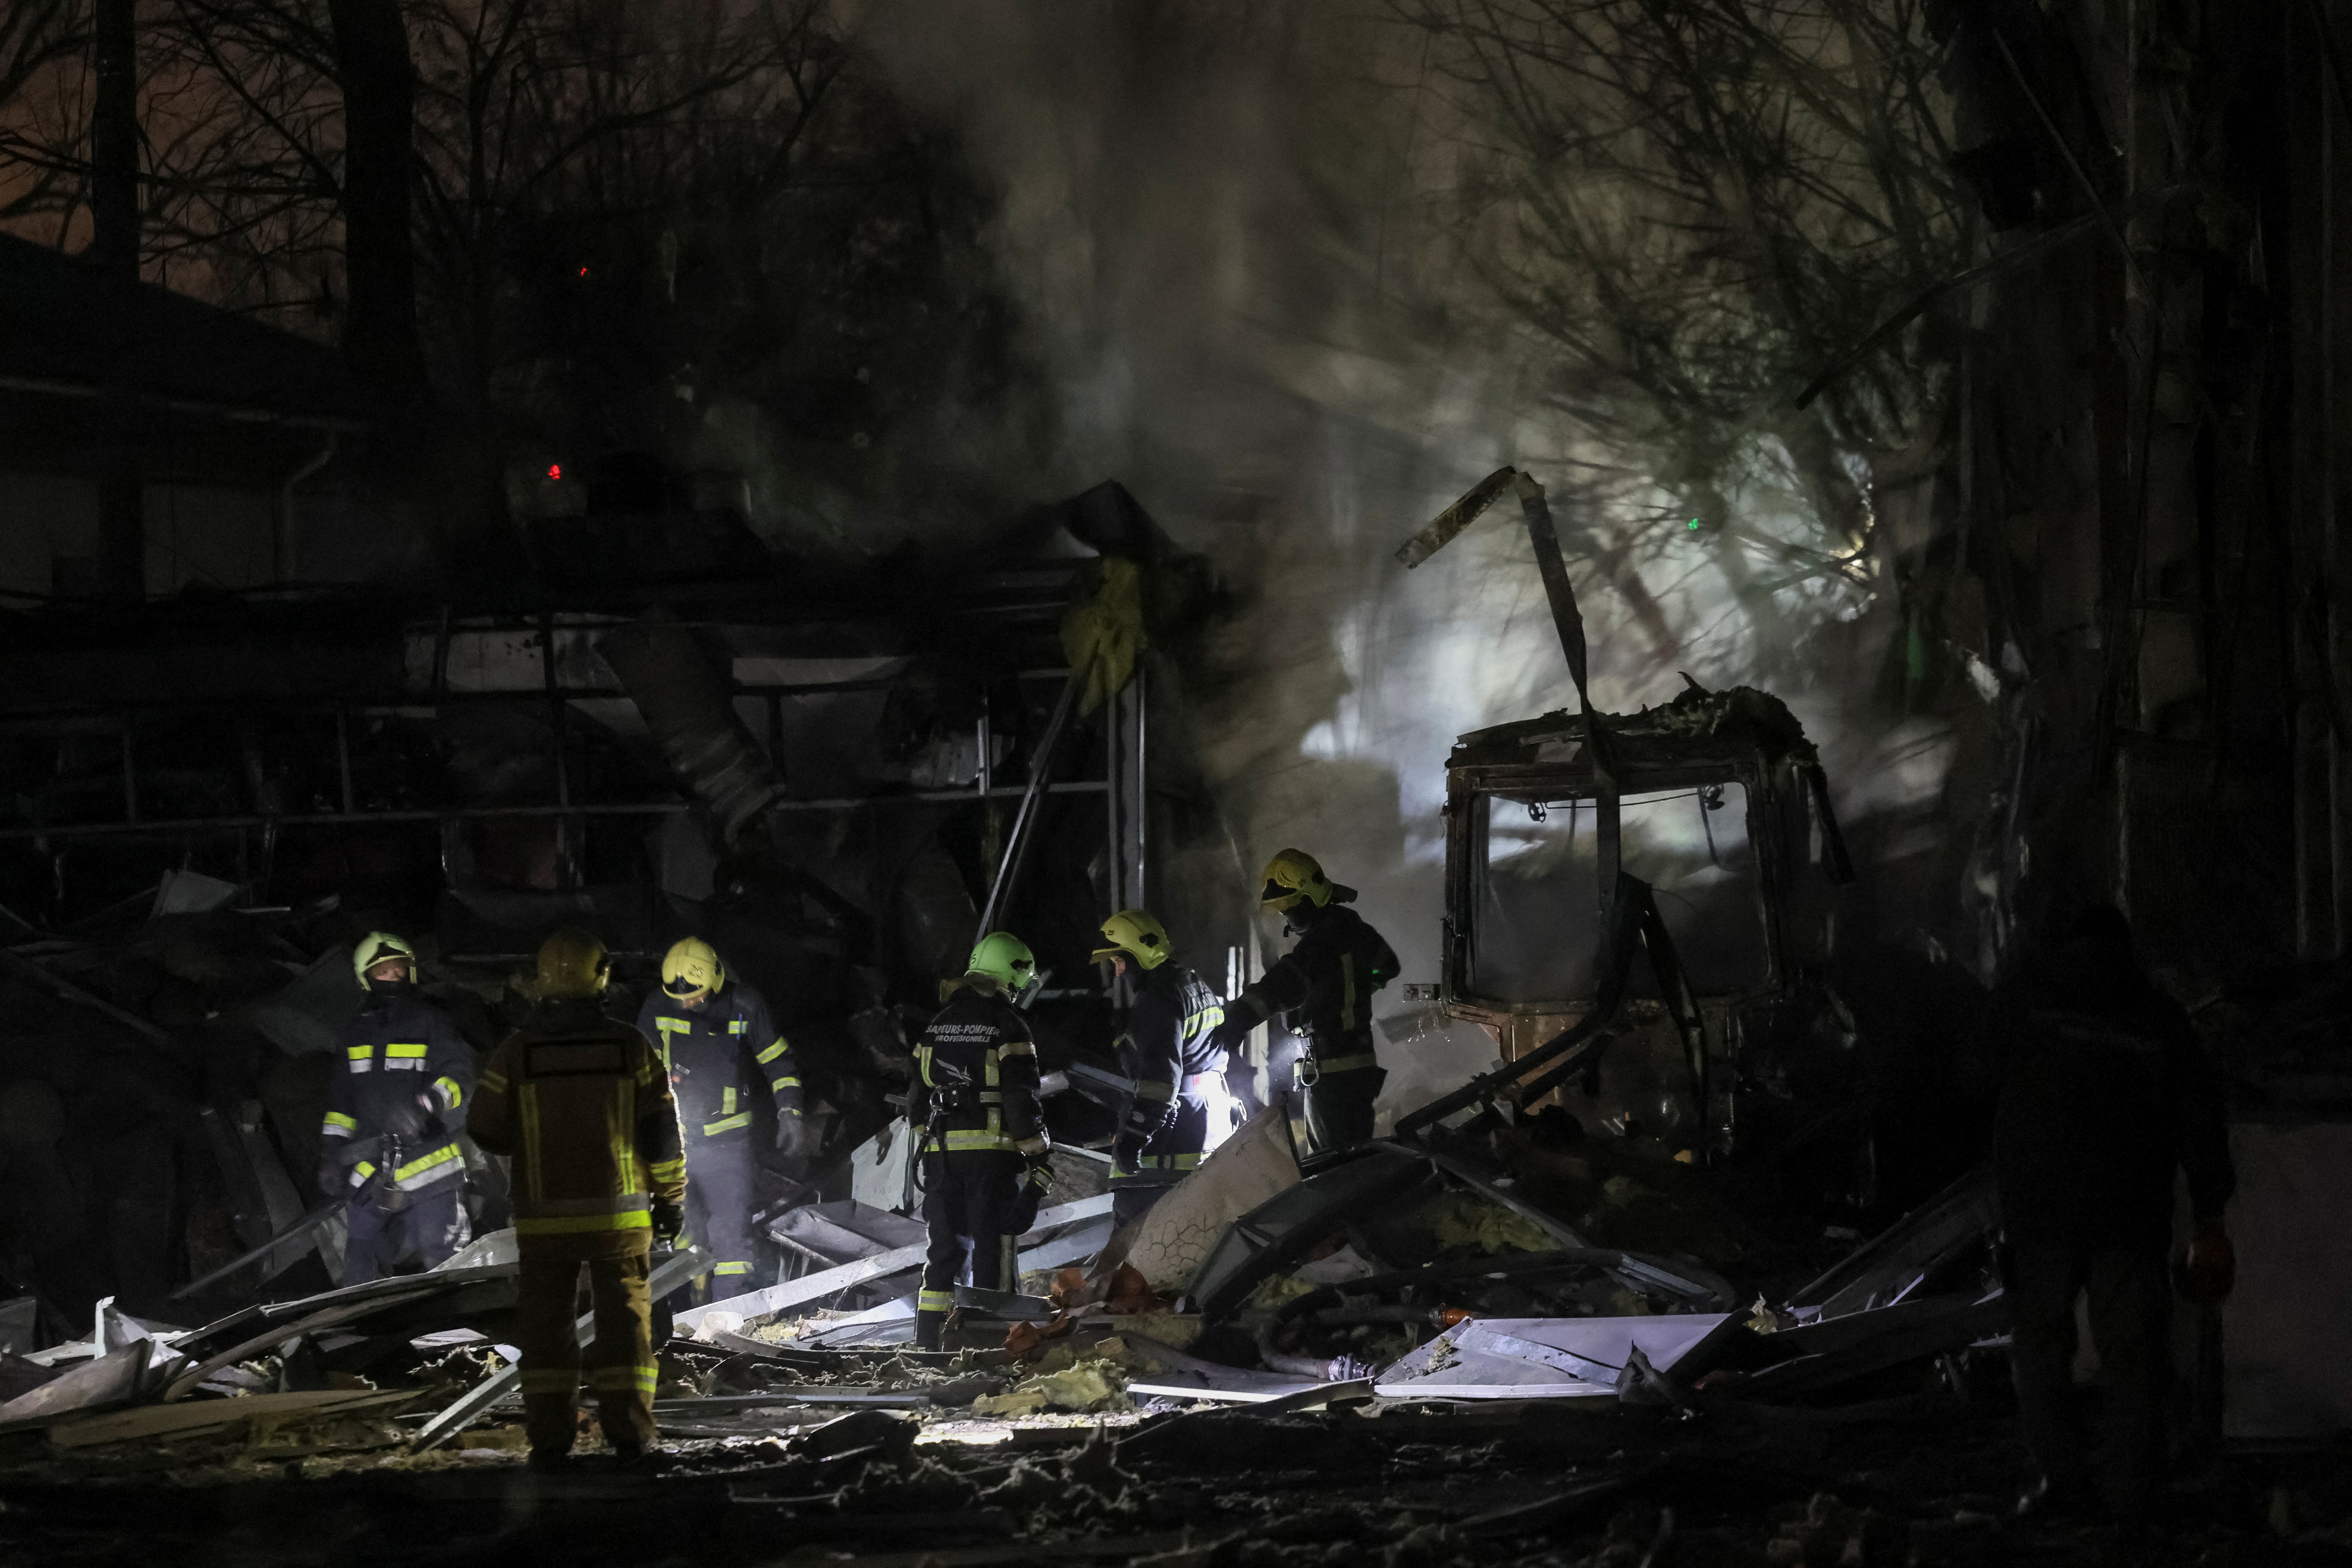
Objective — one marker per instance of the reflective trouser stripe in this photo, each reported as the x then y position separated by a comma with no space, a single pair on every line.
934,1300
578,1225
733,1269
623,1379
726,1124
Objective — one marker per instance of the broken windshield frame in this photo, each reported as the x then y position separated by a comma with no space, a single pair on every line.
1526,914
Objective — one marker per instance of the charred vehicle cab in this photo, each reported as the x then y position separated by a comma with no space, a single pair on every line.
1698,836
1705,833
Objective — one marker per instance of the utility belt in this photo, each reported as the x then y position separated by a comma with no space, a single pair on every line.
395,1175
961,1098
1313,1065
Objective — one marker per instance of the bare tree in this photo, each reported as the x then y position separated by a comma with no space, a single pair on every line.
1691,209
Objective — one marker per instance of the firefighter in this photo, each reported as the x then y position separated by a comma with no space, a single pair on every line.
716,1042
1182,1106
974,1104
579,1100
395,1104
1325,985
2105,1094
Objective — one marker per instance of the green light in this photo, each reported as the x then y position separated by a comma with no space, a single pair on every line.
1693,522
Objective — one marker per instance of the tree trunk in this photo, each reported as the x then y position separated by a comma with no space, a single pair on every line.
114,245
378,119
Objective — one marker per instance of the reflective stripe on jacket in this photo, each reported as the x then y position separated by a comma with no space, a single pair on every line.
1166,1051
718,1057
581,1102
976,1067
397,1047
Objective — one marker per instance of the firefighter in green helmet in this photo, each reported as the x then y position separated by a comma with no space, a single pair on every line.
974,1106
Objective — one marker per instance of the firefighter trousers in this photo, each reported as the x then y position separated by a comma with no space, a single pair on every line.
431,1227
969,1197
1338,1106
621,1367
719,1178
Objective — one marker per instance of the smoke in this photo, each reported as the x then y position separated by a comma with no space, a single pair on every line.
1227,224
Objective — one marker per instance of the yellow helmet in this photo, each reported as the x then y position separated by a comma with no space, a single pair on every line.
572,963
691,968
1293,875
381,947
1136,935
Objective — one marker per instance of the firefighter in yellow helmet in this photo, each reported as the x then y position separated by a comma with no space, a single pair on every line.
1182,1106
719,1047
975,1106
396,1105
579,1100
1323,987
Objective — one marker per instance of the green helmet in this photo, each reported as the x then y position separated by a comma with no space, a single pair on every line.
376,947
1005,959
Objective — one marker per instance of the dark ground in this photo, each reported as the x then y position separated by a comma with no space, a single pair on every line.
1894,1484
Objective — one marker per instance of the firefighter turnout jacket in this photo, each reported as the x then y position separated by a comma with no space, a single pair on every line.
398,1048
716,1055
975,1087
581,1102
1324,986
1178,1075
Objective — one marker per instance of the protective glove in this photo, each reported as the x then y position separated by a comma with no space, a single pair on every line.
793,1134
2206,1274
1040,1174
669,1219
405,1118
330,1176
1231,1035
1127,1155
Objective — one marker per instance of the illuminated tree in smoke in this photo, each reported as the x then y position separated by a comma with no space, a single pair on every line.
1691,209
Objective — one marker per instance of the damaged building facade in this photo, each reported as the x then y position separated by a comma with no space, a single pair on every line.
1698,1256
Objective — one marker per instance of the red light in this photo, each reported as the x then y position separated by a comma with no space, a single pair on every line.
584,272
554,470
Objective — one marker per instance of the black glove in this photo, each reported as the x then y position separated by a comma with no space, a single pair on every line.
1127,1153
793,1134
1231,1035
1040,1174
405,1118
669,1219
